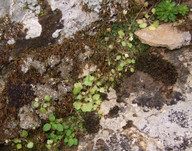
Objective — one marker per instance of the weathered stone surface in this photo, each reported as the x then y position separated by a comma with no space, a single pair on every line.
4,7
166,35
28,118
150,116
73,17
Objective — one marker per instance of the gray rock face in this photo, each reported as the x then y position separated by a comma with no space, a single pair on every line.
73,17
28,118
4,7
147,116
164,36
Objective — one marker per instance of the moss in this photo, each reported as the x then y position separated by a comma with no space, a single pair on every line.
158,68
92,122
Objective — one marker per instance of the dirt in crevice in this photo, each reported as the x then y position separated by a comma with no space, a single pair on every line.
50,22
158,68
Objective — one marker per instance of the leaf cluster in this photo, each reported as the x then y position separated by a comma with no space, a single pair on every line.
167,10
59,130
87,93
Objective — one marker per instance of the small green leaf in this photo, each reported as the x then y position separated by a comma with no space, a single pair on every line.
77,105
96,97
129,61
100,112
47,98
152,27
75,141
46,127
68,133
99,83
121,34
36,104
133,61
153,10
93,90
54,126
52,136
19,146
79,97
139,21
49,142
143,25
118,57
102,90
88,80
146,16
45,105
16,140
66,140
65,126
51,117
132,70
24,133
77,88
130,45
123,43
42,110
98,102
70,142
30,145
87,107
59,127
119,68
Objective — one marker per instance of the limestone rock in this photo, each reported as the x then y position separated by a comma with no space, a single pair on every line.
73,17
166,35
28,118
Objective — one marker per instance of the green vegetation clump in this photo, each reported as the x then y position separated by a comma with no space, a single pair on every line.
167,10
58,130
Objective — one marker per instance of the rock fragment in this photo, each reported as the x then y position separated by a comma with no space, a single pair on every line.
166,35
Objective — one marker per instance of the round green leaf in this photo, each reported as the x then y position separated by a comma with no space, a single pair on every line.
75,141
24,133
70,142
77,105
42,110
30,145
59,127
66,140
68,133
46,127
87,107
16,140
96,97
36,104
123,43
54,126
132,70
143,25
51,117
77,88
19,146
47,98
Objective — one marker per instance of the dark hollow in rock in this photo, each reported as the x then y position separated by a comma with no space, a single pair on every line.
50,23
113,112
92,122
18,91
151,102
128,125
118,142
177,96
158,68
101,145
